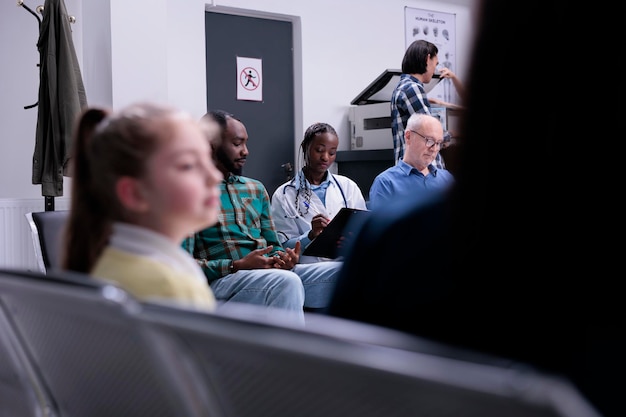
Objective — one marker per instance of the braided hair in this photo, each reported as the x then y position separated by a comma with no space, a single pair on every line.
304,193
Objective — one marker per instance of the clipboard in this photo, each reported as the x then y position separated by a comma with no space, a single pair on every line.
325,245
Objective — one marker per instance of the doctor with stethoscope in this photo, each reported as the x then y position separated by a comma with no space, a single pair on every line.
303,207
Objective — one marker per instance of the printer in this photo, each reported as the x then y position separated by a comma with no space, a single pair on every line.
370,112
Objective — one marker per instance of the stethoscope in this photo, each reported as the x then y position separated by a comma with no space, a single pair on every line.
294,214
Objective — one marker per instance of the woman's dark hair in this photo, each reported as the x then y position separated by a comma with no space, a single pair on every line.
310,133
414,61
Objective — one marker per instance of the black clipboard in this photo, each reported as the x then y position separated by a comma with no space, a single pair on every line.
325,245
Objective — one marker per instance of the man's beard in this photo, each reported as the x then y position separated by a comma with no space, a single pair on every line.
222,158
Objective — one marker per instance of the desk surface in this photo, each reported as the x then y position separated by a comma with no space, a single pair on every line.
363,166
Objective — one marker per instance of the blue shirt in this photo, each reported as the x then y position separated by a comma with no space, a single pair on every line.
402,180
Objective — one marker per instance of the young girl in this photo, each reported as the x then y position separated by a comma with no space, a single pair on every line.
303,206
143,179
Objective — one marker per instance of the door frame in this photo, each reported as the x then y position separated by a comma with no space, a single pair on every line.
297,63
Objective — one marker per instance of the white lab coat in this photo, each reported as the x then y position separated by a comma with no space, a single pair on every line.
342,192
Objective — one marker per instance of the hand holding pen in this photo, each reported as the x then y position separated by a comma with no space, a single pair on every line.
318,222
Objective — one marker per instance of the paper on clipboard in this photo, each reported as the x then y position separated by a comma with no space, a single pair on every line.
325,245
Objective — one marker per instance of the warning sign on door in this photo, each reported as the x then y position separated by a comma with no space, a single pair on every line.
249,79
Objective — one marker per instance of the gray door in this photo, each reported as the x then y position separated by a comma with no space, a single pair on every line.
270,122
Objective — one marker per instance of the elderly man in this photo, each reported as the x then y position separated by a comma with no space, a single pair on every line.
416,173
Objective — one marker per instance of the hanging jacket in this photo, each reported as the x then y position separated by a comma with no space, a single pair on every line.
61,99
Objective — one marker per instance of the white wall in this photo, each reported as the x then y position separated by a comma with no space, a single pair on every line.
155,50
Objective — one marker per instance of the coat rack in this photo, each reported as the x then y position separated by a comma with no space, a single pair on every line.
77,97
38,9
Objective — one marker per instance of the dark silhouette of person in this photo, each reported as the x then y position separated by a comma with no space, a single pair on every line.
512,260
249,78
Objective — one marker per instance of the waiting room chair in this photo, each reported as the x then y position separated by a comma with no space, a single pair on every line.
22,393
331,367
102,353
95,358
47,233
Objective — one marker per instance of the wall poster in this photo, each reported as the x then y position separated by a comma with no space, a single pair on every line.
438,28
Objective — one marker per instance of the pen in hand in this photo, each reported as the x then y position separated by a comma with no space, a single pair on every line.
312,210
318,223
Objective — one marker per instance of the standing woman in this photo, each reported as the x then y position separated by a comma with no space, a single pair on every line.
419,64
303,207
